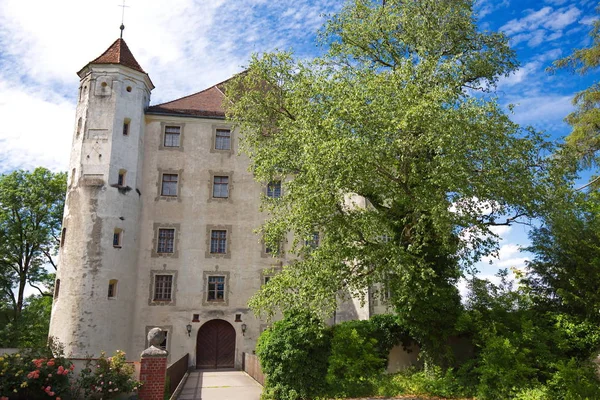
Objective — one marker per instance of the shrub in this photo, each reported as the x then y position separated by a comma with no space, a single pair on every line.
293,354
24,377
574,381
107,378
354,362
433,381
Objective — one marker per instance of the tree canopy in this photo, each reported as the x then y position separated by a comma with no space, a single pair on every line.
393,146
31,207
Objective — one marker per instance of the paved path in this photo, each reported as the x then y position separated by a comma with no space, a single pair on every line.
220,385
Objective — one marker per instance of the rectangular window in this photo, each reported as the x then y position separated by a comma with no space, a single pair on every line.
266,279
223,139
172,134
216,288
221,187
126,128
218,242
169,185
117,238
162,287
121,179
163,344
166,241
112,288
274,189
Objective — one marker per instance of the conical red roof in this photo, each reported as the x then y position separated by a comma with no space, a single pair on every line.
118,53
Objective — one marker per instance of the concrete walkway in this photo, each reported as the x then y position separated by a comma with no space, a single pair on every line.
220,385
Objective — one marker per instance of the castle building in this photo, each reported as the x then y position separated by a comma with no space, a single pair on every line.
159,221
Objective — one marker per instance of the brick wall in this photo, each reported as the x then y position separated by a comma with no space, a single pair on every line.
152,374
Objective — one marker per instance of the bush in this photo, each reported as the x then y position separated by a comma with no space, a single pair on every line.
293,354
24,377
354,362
434,382
574,381
107,378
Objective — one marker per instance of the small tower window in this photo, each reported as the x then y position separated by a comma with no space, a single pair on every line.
118,237
126,126
128,88
78,126
56,289
112,288
63,235
121,178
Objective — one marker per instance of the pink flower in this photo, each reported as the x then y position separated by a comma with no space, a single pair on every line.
49,375
3,398
51,363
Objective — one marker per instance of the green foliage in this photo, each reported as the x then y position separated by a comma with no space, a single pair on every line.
386,114
293,354
574,381
431,382
585,139
35,375
31,207
565,273
503,367
31,330
354,362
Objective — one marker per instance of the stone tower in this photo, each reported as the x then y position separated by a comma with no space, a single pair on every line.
96,279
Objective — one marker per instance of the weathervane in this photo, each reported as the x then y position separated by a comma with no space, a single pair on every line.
122,27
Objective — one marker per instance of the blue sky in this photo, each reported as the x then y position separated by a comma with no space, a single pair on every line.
188,45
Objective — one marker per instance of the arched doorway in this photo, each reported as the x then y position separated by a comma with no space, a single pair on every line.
215,345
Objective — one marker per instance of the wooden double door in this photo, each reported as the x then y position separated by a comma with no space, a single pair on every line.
215,345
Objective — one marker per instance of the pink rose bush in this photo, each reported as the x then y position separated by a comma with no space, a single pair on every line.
106,378
25,377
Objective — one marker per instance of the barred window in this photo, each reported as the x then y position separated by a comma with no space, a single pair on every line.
218,242
274,189
163,285
223,139
216,288
221,186
169,185
166,241
172,134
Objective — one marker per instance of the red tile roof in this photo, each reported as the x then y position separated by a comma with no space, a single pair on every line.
118,53
207,103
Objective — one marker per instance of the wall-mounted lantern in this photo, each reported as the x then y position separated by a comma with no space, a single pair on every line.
244,327
188,327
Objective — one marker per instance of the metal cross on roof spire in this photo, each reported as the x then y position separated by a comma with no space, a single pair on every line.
122,27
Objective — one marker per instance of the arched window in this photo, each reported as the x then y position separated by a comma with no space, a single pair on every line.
56,289
63,236
118,237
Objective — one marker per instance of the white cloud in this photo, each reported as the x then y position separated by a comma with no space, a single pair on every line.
562,19
520,75
27,141
537,27
542,112
185,46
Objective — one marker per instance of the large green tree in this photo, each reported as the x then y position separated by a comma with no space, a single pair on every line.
31,207
400,111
